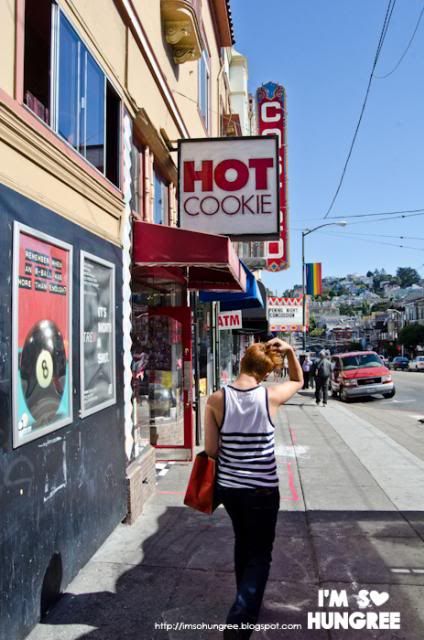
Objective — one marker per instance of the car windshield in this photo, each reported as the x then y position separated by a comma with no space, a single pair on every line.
361,360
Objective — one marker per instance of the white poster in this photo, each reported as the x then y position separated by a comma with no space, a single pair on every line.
285,314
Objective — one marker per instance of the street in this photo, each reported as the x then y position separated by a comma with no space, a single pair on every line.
351,520
410,391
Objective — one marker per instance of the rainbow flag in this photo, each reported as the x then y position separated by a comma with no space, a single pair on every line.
313,279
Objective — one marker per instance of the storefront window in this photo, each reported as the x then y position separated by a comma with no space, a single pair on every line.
206,361
232,346
158,408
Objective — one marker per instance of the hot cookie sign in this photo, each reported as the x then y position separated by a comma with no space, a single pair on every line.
230,186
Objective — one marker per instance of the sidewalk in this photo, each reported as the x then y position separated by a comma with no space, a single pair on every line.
175,565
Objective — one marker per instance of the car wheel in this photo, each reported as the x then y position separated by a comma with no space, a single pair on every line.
389,395
343,396
334,393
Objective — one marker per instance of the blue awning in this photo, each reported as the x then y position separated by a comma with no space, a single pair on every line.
250,299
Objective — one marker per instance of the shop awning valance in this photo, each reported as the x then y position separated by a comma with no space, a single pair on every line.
203,261
250,299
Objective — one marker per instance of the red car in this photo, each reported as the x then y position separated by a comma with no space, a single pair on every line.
360,374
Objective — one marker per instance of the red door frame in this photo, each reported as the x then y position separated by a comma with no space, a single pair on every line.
182,315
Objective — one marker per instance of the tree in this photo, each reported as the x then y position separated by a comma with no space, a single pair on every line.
347,310
381,306
366,308
317,332
412,335
369,274
407,276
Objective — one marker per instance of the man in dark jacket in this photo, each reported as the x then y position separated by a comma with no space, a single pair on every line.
322,376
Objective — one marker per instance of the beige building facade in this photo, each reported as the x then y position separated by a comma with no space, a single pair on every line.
96,355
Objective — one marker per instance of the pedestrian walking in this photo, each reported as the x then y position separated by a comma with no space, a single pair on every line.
239,431
306,368
322,377
285,368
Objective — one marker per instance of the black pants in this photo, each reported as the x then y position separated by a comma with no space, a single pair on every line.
253,513
321,384
306,375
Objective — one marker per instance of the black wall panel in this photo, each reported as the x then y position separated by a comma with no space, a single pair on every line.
85,460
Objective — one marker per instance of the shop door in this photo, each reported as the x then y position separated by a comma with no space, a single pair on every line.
170,382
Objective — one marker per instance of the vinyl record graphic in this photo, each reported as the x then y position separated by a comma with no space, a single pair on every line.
43,371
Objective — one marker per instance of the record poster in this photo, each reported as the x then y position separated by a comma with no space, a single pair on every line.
42,372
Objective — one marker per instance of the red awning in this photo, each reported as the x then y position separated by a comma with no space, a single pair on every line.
202,260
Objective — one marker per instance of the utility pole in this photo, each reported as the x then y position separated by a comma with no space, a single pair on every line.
306,232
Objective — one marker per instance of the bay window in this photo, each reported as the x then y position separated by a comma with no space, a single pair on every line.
67,88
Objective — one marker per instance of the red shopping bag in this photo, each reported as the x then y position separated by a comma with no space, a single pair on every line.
200,494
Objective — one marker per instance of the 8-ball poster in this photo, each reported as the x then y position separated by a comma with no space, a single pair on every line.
98,386
42,374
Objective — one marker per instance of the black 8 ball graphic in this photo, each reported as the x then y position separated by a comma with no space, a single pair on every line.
43,370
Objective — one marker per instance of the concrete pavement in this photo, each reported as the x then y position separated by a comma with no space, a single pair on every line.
351,519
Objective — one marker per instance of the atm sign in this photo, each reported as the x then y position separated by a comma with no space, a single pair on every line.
229,320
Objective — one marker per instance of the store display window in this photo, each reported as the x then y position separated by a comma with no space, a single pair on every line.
157,368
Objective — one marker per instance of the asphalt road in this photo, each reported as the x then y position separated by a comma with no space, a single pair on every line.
409,394
397,418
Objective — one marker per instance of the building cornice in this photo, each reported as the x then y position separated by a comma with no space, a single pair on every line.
133,21
221,14
31,139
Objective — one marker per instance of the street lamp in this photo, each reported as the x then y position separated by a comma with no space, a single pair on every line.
306,232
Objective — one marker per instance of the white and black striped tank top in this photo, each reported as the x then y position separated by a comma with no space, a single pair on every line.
246,457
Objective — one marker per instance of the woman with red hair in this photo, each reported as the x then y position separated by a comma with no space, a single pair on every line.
239,432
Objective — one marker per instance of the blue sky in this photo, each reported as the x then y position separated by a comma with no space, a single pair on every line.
322,52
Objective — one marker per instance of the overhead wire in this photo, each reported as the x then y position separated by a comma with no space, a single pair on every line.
348,234
390,219
372,221
386,23
384,235
387,244
408,46
381,213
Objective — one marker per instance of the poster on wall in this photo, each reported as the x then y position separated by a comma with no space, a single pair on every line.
98,384
42,328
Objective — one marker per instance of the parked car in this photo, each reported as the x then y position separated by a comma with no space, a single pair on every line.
400,362
417,364
360,374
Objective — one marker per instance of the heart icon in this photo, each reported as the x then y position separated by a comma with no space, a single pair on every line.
379,598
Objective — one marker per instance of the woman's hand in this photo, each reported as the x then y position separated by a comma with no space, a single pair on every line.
279,345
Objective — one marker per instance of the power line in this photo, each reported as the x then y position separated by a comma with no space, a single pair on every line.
381,213
380,235
387,18
400,217
399,62
420,212
387,244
